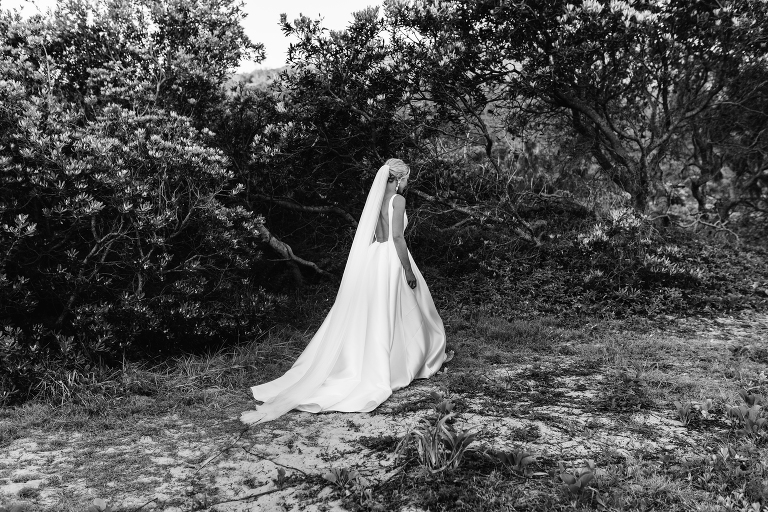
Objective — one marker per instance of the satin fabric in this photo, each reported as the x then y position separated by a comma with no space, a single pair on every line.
391,334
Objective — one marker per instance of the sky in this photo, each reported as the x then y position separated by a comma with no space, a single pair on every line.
261,25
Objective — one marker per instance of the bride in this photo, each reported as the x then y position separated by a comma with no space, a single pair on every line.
383,330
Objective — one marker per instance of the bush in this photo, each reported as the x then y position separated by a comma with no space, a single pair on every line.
120,219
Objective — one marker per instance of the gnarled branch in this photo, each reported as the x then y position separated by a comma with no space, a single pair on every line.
520,227
314,209
285,249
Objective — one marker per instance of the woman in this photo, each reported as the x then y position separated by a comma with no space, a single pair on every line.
383,330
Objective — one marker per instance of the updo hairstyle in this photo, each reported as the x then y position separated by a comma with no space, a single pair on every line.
397,170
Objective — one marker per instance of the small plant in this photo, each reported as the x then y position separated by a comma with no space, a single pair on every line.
725,454
633,376
751,419
517,460
281,478
751,399
737,502
685,412
706,407
345,479
577,481
349,481
439,446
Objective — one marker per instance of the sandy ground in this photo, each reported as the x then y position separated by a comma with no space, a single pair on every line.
549,403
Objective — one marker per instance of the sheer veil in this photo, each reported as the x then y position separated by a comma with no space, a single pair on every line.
307,375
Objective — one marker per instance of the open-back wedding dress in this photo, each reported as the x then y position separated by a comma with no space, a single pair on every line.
379,335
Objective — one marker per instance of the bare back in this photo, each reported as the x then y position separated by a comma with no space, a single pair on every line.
382,225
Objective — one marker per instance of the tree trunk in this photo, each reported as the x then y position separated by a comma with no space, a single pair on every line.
697,191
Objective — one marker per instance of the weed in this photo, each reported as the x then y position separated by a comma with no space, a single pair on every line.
578,482
685,412
751,419
281,478
345,478
751,399
439,446
516,460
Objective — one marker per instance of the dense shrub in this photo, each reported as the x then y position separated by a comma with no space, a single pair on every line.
121,225
613,266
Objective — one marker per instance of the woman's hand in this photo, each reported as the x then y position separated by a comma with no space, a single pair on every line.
410,278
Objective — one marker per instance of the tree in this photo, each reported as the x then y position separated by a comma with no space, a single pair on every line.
628,78
730,147
347,102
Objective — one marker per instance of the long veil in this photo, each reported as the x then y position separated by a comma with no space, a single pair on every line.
327,343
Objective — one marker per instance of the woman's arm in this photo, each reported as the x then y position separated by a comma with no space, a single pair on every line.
397,228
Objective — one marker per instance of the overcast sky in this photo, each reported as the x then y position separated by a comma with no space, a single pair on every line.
261,25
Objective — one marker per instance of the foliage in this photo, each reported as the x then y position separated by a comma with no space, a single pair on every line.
684,412
626,79
516,460
350,482
577,482
751,416
439,446
344,477
120,223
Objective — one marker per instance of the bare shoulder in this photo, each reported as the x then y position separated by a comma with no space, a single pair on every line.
398,202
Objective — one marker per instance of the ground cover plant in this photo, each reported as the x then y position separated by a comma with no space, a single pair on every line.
543,408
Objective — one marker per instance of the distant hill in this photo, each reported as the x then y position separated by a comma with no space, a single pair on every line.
259,77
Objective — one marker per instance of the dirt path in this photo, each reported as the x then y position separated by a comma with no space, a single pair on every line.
602,398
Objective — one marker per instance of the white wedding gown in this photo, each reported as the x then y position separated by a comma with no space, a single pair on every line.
389,335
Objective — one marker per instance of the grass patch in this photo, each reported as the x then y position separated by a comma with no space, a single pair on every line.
537,335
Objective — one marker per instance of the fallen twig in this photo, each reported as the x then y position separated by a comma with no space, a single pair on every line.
209,459
246,450
244,498
144,505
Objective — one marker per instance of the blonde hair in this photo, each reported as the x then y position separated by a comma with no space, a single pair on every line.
397,171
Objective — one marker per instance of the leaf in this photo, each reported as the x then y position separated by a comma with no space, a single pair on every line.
586,478
436,396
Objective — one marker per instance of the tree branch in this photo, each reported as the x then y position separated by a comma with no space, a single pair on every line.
314,209
522,228
285,249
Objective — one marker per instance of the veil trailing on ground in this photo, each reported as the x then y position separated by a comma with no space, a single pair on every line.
319,358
